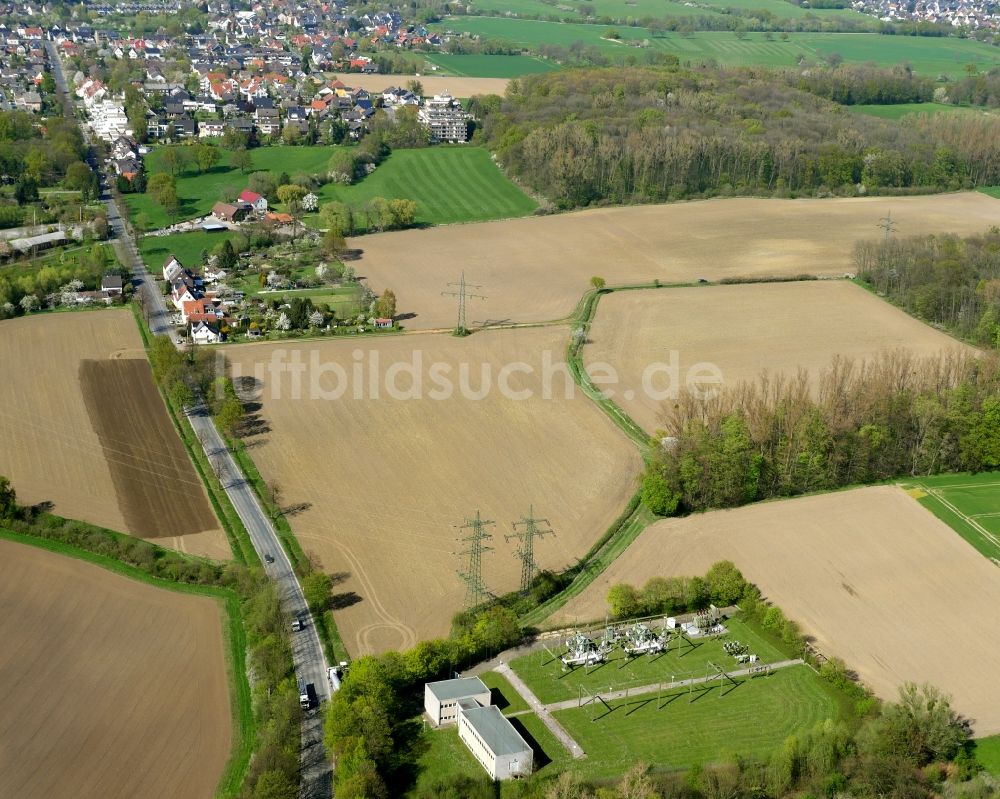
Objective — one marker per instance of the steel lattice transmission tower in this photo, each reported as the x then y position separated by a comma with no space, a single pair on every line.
887,225
475,591
462,292
526,549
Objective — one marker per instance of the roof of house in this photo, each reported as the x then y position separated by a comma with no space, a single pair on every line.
111,282
446,690
248,196
495,730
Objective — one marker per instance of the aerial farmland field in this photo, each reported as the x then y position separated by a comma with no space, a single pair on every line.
877,579
109,687
744,330
537,268
456,86
93,436
379,484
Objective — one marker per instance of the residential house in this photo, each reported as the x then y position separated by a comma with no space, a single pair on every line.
231,212
256,201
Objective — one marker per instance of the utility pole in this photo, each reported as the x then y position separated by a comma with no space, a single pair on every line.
887,225
475,591
526,549
462,292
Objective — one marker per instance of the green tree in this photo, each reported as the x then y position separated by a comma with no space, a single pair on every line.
316,587
338,215
403,213
207,156
26,191
725,583
275,785
598,283
167,199
291,195
8,499
657,494
624,601
241,160
385,306
171,160
334,242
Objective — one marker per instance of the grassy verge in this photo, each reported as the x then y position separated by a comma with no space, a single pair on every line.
244,731
987,752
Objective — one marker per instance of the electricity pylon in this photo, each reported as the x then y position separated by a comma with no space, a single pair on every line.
526,549
887,225
475,591
462,292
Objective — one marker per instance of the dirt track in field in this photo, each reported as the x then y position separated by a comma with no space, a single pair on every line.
433,84
537,268
378,484
743,330
109,687
89,433
876,578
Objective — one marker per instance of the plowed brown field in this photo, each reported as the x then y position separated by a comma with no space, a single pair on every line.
86,430
876,578
109,687
743,330
537,268
380,483
433,84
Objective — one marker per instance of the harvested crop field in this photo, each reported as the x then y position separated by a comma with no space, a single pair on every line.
109,687
89,432
536,269
377,484
433,84
875,577
743,330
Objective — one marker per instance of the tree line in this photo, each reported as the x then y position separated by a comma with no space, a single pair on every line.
858,422
582,137
948,281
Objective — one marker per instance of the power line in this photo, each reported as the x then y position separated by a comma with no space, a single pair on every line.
475,591
462,292
526,547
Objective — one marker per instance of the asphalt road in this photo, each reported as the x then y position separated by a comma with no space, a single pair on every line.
307,651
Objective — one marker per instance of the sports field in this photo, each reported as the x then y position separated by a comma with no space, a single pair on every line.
872,575
968,503
198,192
92,436
489,66
551,682
752,719
384,470
538,268
449,184
927,56
109,686
743,330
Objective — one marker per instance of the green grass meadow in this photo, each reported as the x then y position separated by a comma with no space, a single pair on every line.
186,247
199,192
661,9
450,183
927,56
503,694
704,727
968,503
987,751
992,191
900,110
551,683
489,66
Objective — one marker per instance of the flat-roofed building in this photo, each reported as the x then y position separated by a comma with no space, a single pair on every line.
441,698
493,741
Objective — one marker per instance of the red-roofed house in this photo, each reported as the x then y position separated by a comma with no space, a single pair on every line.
259,203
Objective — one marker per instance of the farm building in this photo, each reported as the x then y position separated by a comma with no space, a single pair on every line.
39,242
441,698
493,741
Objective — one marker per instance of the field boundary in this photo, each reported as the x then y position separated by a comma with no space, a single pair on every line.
241,705
932,498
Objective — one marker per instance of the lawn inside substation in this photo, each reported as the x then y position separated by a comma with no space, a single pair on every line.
968,503
680,730
551,682
449,183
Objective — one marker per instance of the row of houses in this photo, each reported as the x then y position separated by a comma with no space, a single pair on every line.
23,64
